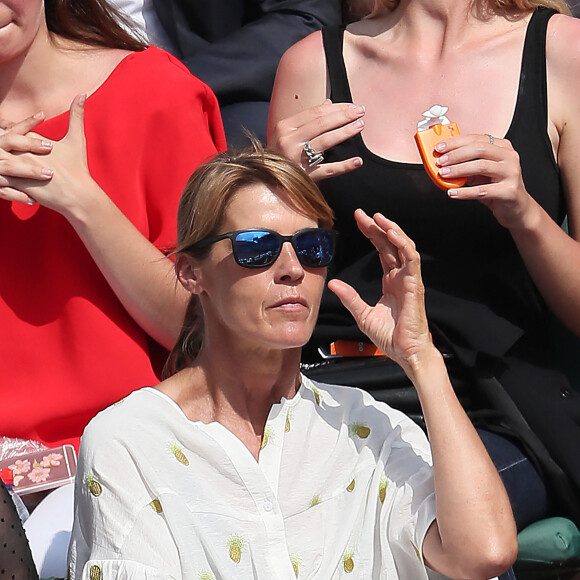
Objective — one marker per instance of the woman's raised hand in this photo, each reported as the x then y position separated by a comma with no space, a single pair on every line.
322,126
397,323
494,174
53,174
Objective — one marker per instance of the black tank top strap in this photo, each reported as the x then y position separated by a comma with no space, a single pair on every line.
332,37
532,103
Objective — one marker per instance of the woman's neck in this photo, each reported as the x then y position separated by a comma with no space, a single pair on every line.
436,25
50,74
236,389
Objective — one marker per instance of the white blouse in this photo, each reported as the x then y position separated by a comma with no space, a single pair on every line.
343,489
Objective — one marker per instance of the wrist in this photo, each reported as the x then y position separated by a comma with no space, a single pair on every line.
423,362
530,220
80,210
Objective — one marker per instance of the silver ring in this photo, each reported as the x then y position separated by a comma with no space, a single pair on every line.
490,138
314,158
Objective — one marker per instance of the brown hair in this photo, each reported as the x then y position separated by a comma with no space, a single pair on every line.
92,22
202,210
498,6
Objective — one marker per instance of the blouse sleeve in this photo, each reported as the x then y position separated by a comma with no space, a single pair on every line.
408,497
119,529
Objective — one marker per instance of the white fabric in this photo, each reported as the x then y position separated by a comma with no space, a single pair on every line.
312,507
48,531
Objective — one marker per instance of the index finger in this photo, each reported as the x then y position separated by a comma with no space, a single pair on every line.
315,121
394,246
379,237
26,125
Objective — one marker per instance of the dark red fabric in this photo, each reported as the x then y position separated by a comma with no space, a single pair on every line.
68,348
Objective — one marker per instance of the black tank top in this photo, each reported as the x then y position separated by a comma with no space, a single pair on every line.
479,296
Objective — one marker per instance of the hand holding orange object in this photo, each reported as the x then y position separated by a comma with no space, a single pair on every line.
430,130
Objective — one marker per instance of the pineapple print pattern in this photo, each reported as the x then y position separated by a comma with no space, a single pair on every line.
267,437
205,575
236,545
359,430
317,395
383,489
347,561
316,499
417,553
296,562
95,573
350,486
93,485
156,505
177,451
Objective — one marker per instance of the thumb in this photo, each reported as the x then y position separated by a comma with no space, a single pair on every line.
351,300
76,121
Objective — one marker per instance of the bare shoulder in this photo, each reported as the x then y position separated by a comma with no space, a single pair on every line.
563,67
563,44
305,57
301,79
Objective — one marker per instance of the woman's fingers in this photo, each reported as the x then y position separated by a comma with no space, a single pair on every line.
15,143
22,167
318,129
24,126
326,170
394,246
10,194
320,119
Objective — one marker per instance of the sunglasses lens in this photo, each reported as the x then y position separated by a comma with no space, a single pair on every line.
255,249
315,248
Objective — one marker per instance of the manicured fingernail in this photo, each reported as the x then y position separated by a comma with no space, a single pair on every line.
82,100
30,201
442,160
358,109
47,172
38,115
444,171
358,162
47,144
440,147
358,124
452,193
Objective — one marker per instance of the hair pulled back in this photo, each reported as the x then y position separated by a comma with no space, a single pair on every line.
202,211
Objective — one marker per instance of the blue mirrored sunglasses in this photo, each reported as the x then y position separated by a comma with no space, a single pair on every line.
258,248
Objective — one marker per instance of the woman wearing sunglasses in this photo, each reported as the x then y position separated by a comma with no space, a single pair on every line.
236,465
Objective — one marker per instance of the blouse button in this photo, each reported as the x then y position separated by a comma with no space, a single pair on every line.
267,506
566,393
95,573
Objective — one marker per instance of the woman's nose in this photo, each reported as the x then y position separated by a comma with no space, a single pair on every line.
288,266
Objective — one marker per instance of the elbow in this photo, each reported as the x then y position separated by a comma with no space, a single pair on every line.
492,561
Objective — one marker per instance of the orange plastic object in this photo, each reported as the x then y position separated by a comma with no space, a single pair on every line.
426,141
352,348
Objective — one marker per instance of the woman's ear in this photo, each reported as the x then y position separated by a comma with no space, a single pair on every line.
188,273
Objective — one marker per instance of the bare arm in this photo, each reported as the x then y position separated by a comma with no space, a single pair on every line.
474,535
140,275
